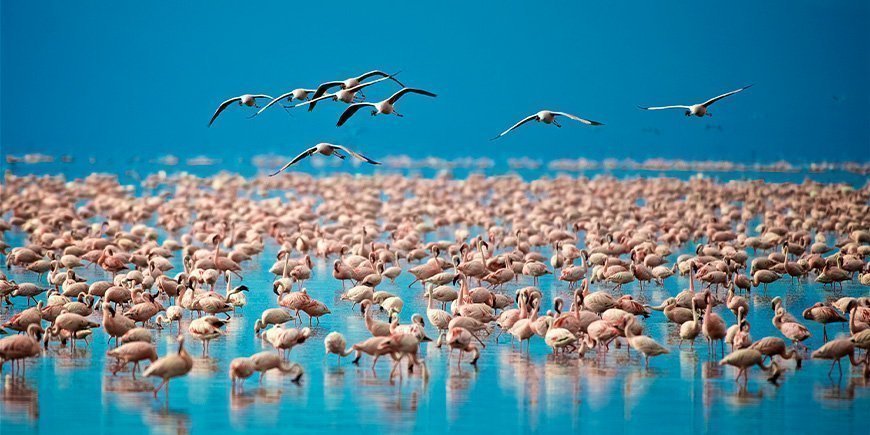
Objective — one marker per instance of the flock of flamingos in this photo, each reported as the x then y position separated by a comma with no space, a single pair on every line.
168,258
479,284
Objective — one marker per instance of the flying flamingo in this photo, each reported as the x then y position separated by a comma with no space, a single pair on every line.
547,117
352,82
326,149
385,107
698,109
249,100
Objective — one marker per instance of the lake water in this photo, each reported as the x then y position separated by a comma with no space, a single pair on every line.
508,392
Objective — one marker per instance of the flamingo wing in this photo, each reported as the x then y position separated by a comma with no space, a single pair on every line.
322,90
356,154
382,74
350,111
715,99
523,121
360,86
274,100
301,156
577,118
314,101
664,107
395,97
221,108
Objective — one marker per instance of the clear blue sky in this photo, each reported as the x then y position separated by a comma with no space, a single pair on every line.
98,77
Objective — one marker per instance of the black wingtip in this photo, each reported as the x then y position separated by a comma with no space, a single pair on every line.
595,123
643,108
393,78
495,138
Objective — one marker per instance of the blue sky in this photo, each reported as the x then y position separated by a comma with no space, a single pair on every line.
90,78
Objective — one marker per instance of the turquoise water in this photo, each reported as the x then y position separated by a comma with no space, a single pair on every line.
509,391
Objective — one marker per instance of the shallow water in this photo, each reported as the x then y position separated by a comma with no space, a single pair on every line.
509,391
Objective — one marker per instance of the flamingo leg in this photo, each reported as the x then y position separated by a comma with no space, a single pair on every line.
159,387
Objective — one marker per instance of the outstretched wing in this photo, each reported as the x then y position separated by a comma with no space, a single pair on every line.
664,107
296,159
404,91
356,154
577,118
523,121
360,86
274,100
314,101
715,99
382,74
322,90
350,111
221,108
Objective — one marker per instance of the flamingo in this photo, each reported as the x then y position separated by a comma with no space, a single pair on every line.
265,361
823,314
17,348
836,350
336,343
170,366
241,369
642,343
385,107
547,117
326,149
353,82
249,100
743,359
698,110
133,352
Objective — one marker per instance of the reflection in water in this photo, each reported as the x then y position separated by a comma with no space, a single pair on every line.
744,396
333,386
66,360
836,391
126,384
244,405
599,380
635,387
712,370
166,421
459,382
204,367
20,401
